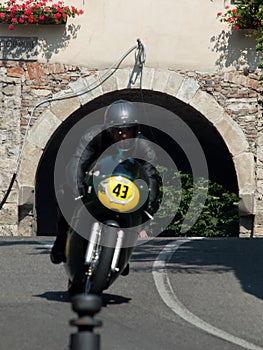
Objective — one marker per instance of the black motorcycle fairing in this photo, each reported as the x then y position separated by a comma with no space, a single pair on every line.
111,166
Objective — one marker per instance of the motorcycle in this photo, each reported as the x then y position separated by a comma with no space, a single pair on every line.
99,245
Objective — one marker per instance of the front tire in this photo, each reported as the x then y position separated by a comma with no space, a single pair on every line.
100,276
99,280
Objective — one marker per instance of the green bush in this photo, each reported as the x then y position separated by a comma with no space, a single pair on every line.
214,206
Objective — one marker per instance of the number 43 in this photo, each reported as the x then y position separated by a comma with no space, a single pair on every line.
121,191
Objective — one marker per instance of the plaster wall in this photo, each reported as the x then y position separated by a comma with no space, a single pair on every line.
178,35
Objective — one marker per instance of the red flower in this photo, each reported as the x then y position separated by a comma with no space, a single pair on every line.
28,12
14,8
219,14
57,15
11,27
34,11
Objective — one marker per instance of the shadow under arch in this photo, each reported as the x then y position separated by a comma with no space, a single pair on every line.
220,165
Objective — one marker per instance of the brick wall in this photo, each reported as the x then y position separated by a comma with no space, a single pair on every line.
239,93
22,86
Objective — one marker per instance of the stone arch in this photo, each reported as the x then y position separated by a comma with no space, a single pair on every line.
186,90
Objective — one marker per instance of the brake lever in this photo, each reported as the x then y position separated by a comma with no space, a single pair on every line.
79,197
148,214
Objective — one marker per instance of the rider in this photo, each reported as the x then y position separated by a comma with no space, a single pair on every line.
120,125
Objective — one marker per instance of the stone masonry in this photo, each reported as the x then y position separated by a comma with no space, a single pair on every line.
229,100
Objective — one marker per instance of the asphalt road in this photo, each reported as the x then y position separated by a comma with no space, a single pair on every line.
202,294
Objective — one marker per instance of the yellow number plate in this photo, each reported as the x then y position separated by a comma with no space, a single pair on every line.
118,193
120,190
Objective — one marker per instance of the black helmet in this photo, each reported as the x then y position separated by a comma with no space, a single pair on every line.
120,114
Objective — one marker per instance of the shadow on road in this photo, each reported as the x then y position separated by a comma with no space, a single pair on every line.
113,299
15,241
41,247
61,296
244,257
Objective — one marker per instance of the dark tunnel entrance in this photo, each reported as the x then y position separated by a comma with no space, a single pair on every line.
219,160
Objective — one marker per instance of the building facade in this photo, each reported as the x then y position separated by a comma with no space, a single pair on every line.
195,67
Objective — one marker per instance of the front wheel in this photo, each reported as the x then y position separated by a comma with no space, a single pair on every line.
99,279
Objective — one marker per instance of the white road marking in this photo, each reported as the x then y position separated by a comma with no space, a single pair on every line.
169,297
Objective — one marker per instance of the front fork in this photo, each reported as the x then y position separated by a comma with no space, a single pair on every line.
92,248
116,256
92,252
